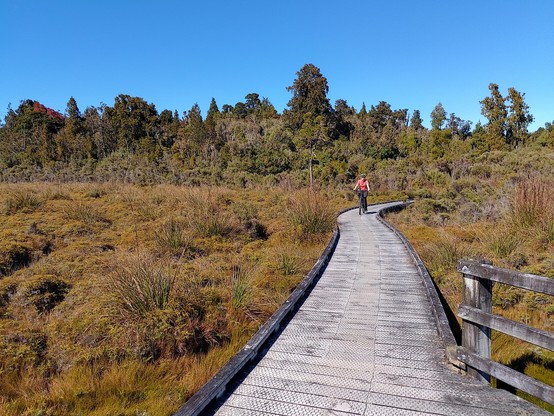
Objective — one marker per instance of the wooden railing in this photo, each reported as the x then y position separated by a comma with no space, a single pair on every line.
478,320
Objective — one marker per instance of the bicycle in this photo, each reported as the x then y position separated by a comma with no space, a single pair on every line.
362,202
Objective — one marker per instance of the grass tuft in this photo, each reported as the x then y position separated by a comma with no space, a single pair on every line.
172,237
308,212
84,212
205,214
22,201
532,203
141,284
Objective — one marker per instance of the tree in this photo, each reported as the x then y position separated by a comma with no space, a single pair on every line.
438,117
379,116
132,119
458,127
267,109
253,103
363,111
70,141
416,122
494,109
192,136
312,135
519,117
210,127
309,95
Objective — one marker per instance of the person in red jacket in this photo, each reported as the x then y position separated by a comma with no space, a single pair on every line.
362,186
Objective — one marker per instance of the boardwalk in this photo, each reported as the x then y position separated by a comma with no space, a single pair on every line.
364,343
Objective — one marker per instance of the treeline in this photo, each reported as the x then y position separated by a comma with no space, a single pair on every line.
249,142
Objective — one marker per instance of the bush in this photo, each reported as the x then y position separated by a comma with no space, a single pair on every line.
310,215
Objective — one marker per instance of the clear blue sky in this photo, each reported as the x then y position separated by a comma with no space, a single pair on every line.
412,54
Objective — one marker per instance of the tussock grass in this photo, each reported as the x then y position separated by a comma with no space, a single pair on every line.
310,214
206,214
532,203
23,200
501,242
141,284
288,260
84,212
133,317
172,237
241,288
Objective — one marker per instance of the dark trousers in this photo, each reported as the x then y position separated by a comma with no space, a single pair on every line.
362,196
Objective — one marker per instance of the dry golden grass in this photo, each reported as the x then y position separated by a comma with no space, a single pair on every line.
120,299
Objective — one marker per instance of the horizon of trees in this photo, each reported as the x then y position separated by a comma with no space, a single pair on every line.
251,137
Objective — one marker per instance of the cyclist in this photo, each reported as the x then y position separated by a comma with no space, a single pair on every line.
362,186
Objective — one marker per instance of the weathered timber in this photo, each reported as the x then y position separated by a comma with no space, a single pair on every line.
526,333
512,377
527,281
478,320
477,338
364,342
439,313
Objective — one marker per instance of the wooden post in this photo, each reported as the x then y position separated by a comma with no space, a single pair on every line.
477,338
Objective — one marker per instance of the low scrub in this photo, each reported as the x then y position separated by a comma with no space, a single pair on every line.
45,292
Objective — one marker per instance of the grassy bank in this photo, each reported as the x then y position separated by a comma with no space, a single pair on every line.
118,299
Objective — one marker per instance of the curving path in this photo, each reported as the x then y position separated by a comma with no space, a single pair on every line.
364,342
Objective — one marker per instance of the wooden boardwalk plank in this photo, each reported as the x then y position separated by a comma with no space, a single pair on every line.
364,342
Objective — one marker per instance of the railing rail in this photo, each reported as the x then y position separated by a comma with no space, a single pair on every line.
478,321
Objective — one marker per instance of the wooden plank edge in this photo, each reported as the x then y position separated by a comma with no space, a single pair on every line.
445,332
